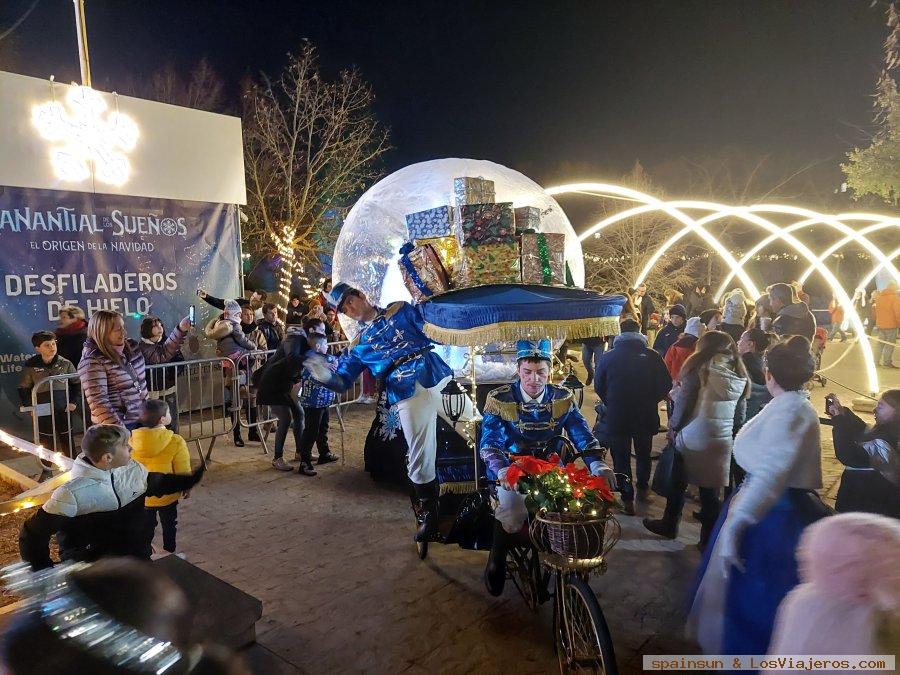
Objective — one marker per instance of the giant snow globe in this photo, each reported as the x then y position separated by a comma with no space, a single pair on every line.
367,252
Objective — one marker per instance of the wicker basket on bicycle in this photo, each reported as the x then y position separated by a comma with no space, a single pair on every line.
572,509
575,537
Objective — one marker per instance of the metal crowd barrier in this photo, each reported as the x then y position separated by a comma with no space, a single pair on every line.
207,398
247,414
196,390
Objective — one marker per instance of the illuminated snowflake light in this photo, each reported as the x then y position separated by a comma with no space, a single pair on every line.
86,136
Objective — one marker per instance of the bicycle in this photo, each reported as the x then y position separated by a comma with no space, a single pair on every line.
567,553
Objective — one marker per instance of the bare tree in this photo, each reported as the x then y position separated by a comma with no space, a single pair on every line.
310,145
202,88
615,256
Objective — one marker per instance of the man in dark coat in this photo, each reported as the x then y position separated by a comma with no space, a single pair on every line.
670,332
631,380
792,318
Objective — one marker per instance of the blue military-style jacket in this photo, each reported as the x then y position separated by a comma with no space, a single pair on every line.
513,427
395,348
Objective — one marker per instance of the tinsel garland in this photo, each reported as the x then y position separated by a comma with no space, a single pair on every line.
545,258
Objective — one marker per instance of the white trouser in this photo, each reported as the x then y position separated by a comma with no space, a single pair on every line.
510,511
418,419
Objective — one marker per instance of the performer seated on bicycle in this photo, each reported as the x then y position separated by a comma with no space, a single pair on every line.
519,419
393,346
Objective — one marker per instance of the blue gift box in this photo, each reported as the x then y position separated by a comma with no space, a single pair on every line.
431,223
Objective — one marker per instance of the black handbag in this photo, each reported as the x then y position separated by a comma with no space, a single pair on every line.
669,478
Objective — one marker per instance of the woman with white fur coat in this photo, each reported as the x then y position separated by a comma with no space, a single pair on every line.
849,601
749,565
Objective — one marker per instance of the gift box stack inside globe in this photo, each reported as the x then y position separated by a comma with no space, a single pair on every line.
478,241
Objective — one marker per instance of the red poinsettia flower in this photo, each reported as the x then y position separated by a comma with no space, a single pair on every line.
513,474
577,475
601,486
534,466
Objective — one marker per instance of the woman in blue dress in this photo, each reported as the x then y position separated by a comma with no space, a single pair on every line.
750,565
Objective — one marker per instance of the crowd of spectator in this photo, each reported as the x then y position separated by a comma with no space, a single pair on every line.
732,378
740,425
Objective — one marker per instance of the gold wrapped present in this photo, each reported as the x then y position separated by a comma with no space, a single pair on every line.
543,258
527,218
422,271
447,249
489,264
470,190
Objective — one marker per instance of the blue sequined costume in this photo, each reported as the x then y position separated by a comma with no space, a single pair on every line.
513,426
395,336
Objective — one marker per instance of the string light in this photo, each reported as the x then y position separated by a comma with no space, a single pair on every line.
20,445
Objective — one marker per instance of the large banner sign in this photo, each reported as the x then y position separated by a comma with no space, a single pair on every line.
134,255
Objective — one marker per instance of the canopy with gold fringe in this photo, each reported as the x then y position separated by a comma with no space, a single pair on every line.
475,316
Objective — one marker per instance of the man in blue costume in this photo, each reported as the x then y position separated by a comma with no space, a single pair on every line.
520,419
393,346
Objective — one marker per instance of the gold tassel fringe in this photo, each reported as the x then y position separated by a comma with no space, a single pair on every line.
509,331
459,488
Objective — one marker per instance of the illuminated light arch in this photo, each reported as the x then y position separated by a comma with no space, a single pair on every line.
833,222
881,224
806,223
756,248
653,204
745,213
866,280
778,232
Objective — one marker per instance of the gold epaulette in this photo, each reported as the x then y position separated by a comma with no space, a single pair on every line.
562,405
505,410
393,308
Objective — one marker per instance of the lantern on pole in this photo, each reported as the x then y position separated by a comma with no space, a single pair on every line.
575,385
453,398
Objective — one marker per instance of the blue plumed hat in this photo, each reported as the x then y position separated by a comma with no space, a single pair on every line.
338,294
531,349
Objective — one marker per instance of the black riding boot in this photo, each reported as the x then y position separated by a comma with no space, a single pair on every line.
495,571
427,507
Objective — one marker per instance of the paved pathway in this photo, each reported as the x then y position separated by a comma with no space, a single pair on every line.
332,560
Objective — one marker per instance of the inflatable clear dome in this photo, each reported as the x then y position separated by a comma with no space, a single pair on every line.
368,247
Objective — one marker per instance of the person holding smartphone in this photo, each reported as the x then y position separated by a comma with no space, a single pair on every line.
871,479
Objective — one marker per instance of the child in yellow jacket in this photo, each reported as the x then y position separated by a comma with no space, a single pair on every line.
162,451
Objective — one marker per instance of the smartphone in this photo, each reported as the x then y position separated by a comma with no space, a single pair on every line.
191,314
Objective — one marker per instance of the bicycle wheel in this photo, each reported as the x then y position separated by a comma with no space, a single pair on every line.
583,642
524,569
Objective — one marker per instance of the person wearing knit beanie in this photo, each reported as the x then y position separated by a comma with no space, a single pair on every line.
669,333
694,326
734,314
233,311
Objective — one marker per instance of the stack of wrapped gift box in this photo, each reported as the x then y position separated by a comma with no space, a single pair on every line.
479,241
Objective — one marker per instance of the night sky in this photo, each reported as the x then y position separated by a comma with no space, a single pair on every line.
559,90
